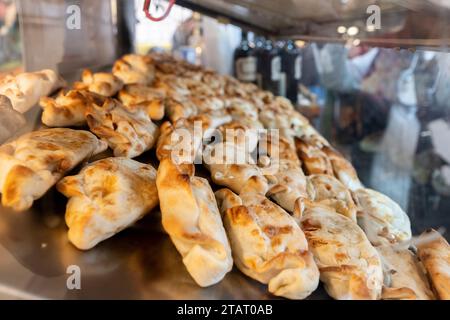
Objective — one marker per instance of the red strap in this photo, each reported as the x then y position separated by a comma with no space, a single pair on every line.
156,19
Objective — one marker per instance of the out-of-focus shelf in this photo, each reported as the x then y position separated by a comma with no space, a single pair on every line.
406,23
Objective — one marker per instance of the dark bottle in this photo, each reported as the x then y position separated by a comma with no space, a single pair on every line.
245,60
259,48
269,67
291,66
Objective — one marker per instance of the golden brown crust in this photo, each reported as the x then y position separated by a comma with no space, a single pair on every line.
349,266
102,83
233,176
67,109
328,191
383,220
398,294
343,169
191,218
239,134
177,109
34,162
134,69
182,140
25,89
404,279
129,134
434,252
106,197
151,100
267,244
314,160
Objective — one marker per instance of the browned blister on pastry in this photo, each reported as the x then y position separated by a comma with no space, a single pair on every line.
329,191
230,165
172,86
191,218
133,68
404,278
33,163
180,108
182,140
240,134
349,265
137,96
25,89
314,160
68,108
267,244
343,169
287,181
434,253
102,83
381,218
129,134
106,197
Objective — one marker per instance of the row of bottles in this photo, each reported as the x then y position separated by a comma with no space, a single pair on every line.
273,66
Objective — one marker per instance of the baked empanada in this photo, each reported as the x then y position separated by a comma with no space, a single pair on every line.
331,192
179,142
343,169
102,83
288,185
67,109
314,160
33,163
173,86
309,135
25,89
230,166
106,197
381,218
239,134
403,277
177,109
191,218
280,114
279,147
207,103
129,134
267,244
287,180
273,118
349,265
240,108
133,68
137,96
235,88
434,252
182,140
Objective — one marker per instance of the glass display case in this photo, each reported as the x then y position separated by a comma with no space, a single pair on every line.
371,78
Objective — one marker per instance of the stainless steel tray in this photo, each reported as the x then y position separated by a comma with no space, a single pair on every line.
138,263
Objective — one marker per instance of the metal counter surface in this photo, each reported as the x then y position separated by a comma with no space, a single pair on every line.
138,263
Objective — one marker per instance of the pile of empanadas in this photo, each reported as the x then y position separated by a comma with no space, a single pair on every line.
281,204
